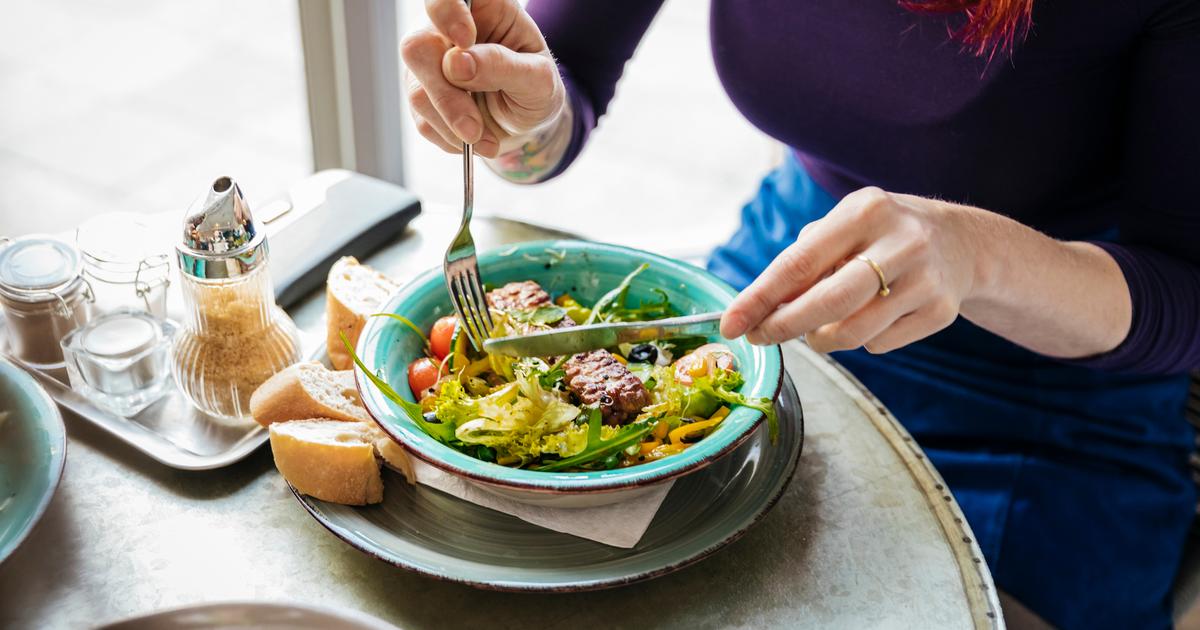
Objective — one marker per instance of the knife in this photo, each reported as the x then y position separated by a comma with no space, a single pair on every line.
576,339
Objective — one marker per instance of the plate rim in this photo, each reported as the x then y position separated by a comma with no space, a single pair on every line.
53,422
598,584
362,619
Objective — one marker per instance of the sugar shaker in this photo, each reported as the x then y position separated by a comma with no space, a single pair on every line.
234,336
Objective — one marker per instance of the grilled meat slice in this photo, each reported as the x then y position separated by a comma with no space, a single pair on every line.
518,296
523,296
597,378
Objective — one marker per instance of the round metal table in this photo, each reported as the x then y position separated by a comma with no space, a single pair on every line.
866,536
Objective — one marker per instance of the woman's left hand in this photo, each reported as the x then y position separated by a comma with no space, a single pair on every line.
928,251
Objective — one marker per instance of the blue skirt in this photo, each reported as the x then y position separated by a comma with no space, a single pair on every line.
1075,481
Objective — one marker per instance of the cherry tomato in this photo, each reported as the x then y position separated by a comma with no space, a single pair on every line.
442,335
422,374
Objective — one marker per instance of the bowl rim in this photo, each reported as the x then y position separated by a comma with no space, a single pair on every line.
51,420
556,482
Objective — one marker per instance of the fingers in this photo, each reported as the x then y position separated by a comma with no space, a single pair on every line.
493,67
913,327
830,300
849,227
422,52
868,322
453,19
799,267
429,123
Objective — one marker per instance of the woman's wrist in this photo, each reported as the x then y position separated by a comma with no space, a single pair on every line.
1066,299
530,157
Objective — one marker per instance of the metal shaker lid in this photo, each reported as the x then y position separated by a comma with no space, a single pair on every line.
36,266
220,237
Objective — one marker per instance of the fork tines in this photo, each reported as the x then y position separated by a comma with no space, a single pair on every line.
470,301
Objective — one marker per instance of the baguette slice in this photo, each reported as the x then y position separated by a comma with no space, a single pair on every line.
393,455
308,390
330,460
352,293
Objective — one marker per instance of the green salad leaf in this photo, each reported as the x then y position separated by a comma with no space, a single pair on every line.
407,322
617,294
440,431
600,448
722,386
547,314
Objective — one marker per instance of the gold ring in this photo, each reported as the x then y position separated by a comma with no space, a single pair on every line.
883,285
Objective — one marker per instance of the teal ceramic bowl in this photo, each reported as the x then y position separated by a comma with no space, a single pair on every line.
33,450
586,270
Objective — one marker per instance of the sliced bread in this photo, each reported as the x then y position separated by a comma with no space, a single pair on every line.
353,292
330,460
393,455
308,390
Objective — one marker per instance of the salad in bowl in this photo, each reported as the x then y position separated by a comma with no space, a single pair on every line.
603,423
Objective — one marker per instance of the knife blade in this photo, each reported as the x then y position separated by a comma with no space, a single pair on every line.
578,339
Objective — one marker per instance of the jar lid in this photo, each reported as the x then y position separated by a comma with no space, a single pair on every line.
37,264
220,237
117,239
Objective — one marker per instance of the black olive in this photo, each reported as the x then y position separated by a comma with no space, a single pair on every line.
431,416
645,353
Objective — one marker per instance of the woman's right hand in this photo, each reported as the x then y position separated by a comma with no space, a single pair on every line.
493,49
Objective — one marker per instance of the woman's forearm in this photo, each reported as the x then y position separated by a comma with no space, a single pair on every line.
1063,299
529,158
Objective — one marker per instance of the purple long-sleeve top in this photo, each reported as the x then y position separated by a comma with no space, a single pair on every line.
1090,127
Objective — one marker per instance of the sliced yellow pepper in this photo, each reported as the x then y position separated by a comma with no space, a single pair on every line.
647,447
664,450
678,435
620,359
575,310
660,430
476,368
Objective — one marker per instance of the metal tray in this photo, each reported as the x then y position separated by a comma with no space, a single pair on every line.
170,431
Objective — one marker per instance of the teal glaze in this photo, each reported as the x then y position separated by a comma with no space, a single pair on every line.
586,270
33,449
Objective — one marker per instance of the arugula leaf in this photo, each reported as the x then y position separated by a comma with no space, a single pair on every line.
407,322
625,437
593,434
618,292
551,377
680,346
645,311
440,431
547,314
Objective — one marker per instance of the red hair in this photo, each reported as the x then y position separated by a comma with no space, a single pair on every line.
992,25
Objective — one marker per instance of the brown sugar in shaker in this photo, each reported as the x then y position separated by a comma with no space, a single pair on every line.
234,336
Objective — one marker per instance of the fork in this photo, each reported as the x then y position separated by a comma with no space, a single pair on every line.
462,267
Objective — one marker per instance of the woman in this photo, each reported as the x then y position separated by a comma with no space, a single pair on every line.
989,208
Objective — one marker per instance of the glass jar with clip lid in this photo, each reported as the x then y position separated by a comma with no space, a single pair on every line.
44,297
124,264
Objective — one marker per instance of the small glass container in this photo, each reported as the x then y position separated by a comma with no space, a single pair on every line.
44,296
123,266
234,336
120,361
